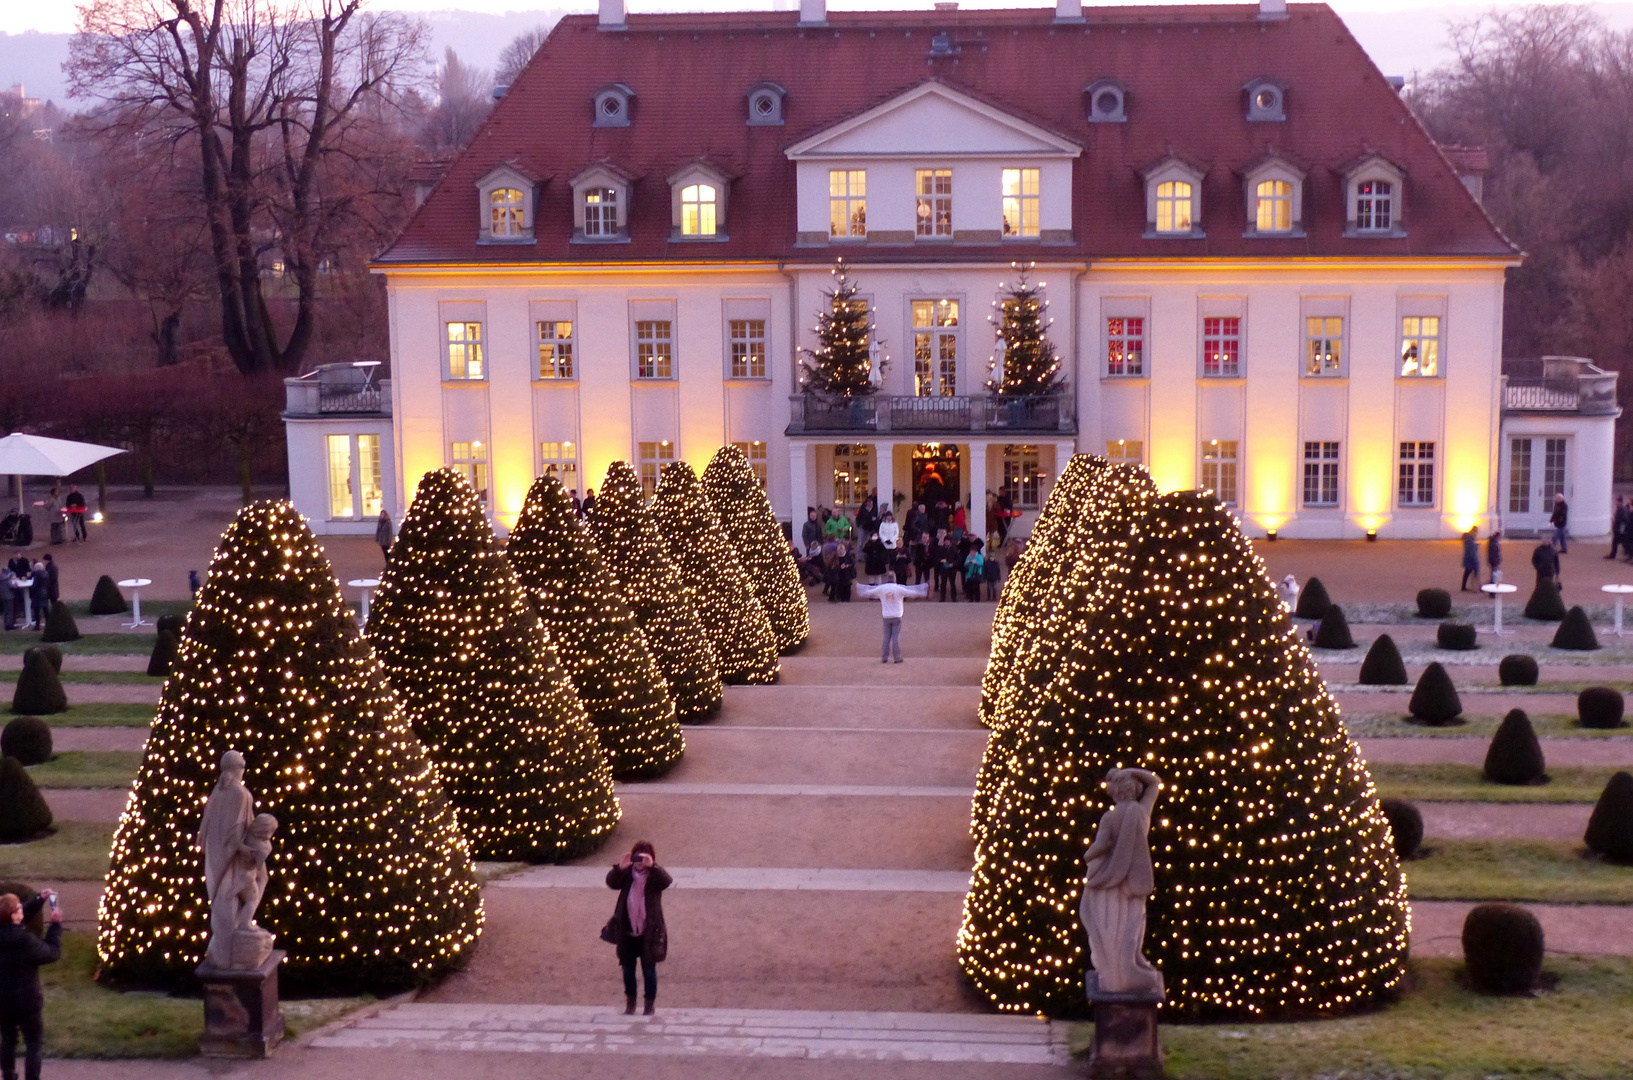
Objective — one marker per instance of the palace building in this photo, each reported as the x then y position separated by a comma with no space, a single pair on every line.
1264,277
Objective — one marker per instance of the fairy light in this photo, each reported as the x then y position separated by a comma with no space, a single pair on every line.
646,577
479,682
594,634
843,361
1278,892
745,647
745,513
1031,364
370,880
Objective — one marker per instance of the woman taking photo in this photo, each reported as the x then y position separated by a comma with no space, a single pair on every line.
637,927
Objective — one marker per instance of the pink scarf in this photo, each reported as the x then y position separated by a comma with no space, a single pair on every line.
637,903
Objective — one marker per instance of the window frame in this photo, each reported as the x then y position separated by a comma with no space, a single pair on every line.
1171,170
1274,170
1214,328
1120,455
1328,464
663,359
1221,460
606,198
512,210
1418,312
474,466
1319,341
653,461
936,205
863,476
699,212
1374,169
517,211
935,335
465,345
755,452
556,344
1415,461
1115,335
696,177
564,461
1031,227
1025,486
853,202
747,340
601,178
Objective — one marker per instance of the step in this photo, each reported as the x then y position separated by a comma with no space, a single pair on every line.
789,755
754,879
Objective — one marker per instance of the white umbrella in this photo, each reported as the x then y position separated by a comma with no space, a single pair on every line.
35,455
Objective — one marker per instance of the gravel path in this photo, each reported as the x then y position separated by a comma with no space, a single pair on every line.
1585,753
1590,929
1504,821
98,738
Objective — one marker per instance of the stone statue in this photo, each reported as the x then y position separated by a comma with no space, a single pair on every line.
1117,885
236,843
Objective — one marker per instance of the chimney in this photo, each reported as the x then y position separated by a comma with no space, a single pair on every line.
1069,11
813,12
612,15
1272,9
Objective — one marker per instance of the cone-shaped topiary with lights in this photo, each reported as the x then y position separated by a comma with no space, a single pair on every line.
477,678
842,362
1031,366
594,634
1277,887
371,881
745,513
745,647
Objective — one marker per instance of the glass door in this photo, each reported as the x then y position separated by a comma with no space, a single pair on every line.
1538,469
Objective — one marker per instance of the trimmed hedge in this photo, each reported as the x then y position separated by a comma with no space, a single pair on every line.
164,653
1576,632
1313,601
39,692
1502,946
1600,707
1434,603
28,739
1434,699
1383,665
1610,828
1405,826
106,599
24,814
1517,669
172,623
1545,604
50,652
1333,633
1460,636
1515,755
60,624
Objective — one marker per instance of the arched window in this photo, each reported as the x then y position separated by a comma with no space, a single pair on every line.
1174,206
601,211
697,210
505,206
1274,206
1373,205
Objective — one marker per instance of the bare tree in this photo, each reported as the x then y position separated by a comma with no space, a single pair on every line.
464,98
518,53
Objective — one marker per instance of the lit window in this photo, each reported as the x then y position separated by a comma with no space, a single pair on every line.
1417,474
1274,206
340,477
1420,345
755,452
697,210
1174,206
1219,469
556,350
1020,202
1320,474
464,350
654,456
1222,346
1374,205
560,459
654,349
1022,473
505,209
1125,346
935,348
1125,452
747,348
369,473
470,460
935,202
847,202
852,469
601,211
1323,346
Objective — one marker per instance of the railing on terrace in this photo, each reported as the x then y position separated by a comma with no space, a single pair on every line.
1558,384
817,414
337,389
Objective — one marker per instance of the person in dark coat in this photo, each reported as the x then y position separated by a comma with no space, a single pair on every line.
1494,556
39,594
1559,519
53,591
1620,520
74,506
873,559
638,929
917,521
21,1002
589,501
384,533
841,575
948,565
811,531
924,557
1471,558
867,520
1545,561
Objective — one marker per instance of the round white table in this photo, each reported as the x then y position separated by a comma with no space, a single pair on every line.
366,584
1498,591
135,585
1618,591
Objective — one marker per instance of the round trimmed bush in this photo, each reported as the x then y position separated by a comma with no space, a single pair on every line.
1515,755
1434,699
50,652
164,653
1383,665
1313,601
39,692
1576,632
1502,947
1457,635
1517,669
1405,826
1600,707
106,599
1333,633
24,814
28,739
172,623
1545,604
60,624
1434,603
1610,828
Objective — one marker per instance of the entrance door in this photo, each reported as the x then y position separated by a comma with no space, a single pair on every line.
1538,469
936,476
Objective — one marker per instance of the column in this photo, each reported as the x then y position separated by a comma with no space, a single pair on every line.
799,483
884,473
976,507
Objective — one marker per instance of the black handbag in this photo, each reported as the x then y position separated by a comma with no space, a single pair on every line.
609,932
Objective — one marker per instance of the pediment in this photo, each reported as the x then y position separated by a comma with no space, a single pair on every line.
933,119
507,174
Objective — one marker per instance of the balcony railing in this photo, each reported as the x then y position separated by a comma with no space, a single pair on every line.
1559,384
816,414
337,390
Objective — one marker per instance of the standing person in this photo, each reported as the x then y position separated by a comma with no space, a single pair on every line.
589,501
53,514
890,533
1545,561
39,593
578,504
844,574
946,569
74,507
53,591
9,596
917,521
974,572
811,531
924,557
1559,518
867,520
873,560
1471,557
960,519
890,596
22,1005
1618,529
1006,512
637,927
1494,555
384,533
992,570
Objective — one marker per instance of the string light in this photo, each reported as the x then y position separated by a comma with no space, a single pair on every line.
745,513
370,881
1031,364
842,363
594,634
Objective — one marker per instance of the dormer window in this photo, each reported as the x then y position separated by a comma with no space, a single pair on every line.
698,202
507,219
506,214
1173,199
1107,100
601,205
1374,198
1174,206
1273,206
1275,198
601,212
765,105
1266,100
697,206
612,105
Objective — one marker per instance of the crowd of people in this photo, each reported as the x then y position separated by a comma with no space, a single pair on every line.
28,588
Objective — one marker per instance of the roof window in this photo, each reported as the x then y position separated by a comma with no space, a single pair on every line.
612,105
765,105
1266,100
1107,102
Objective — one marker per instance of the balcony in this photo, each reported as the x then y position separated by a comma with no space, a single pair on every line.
338,390
1558,384
815,414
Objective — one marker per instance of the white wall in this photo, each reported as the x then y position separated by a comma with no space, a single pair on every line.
309,470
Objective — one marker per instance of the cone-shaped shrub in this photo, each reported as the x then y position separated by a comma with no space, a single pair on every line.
1515,755
1434,699
39,691
1610,827
1405,826
1383,665
371,884
1266,901
1459,636
478,681
172,623
165,644
60,624
28,739
1434,603
594,634
106,599
1600,707
23,810
1333,633
646,577
745,648
745,513
1545,604
50,652
1576,632
1517,669
1502,946
1313,601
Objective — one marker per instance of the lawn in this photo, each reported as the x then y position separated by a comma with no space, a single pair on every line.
1394,726
104,714
88,769
102,644
151,609
77,851
1536,871
69,675
1466,783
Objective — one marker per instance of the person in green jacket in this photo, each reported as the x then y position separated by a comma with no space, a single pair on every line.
838,526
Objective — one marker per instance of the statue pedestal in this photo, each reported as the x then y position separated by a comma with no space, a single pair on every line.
1125,1043
241,1014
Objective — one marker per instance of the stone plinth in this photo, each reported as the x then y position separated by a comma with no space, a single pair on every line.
1125,1044
241,1014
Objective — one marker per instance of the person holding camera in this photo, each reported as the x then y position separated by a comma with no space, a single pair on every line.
637,927
21,1002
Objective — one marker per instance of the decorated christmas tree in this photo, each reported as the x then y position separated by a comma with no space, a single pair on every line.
842,362
371,885
1277,888
477,679
647,579
746,515
1028,364
594,634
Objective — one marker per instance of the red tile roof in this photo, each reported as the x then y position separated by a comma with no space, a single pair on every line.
1184,68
